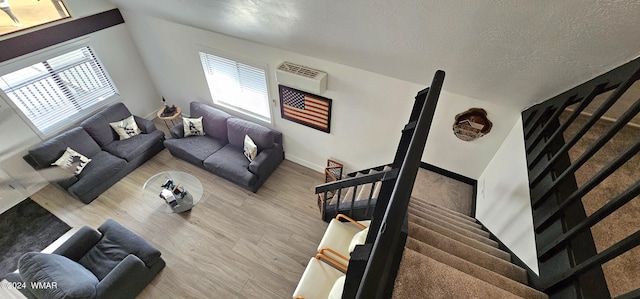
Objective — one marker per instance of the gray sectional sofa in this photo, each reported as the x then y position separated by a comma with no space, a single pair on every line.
220,150
111,158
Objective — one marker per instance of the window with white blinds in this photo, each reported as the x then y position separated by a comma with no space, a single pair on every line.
237,85
59,90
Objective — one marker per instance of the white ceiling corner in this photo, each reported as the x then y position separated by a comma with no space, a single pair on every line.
510,53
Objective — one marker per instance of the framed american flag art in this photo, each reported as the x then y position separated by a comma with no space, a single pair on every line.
304,108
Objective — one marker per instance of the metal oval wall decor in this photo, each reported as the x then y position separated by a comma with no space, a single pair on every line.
472,124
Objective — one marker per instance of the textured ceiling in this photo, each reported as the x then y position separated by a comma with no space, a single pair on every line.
511,53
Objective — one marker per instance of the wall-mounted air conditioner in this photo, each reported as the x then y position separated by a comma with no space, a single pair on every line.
301,77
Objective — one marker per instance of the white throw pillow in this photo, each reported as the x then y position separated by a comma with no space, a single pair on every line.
250,148
192,126
126,128
358,239
338,287
72,161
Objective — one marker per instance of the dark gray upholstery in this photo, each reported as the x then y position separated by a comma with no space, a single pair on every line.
177,131
112,159
230,163
112,262
71,279
214,121
145,125
237,128
194,149
50,150
98,124
133,147
220,151
102,166
116,244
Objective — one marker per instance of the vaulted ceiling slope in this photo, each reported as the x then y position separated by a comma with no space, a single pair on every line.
511,53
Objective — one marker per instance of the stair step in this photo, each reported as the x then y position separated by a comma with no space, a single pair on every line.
442,209
432,214
448,224
450,231
418,232
422,277
474,270
472,255
445,215
485,245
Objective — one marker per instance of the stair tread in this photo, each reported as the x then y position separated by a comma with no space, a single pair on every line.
457,223
449,224
425,202
446,230
444,210
420,276
416,230
472,255
458,237
474,270
447,216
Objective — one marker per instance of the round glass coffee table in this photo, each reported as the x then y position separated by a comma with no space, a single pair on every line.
154,186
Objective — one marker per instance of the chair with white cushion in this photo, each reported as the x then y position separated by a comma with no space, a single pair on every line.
320,280
340,238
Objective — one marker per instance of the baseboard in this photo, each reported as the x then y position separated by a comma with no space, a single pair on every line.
152,115
531,275
447,173
304,162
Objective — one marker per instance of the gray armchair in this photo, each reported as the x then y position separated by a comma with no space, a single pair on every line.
112,262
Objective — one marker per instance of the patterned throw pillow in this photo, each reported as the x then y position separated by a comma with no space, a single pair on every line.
72,161
126,128
192,126
250,148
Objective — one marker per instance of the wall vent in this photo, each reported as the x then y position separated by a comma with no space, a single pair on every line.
301,77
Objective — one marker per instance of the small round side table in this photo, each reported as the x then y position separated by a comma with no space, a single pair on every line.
170,117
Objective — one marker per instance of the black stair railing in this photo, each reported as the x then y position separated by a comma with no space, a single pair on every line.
570,265
383,262
358,209
388,180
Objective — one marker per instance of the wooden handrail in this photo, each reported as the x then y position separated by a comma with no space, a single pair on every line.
323,249
330,260
351,220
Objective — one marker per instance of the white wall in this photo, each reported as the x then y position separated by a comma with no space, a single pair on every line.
468,158
119,56
369,110
503,203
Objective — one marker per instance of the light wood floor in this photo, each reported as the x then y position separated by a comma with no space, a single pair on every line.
233,244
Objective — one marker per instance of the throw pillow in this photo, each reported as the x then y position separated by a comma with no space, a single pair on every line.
126,128
250,148
192,126
72,161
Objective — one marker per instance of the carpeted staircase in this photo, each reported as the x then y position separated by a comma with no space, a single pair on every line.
449,255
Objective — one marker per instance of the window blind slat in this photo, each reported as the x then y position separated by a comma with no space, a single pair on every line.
58,89
241,86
